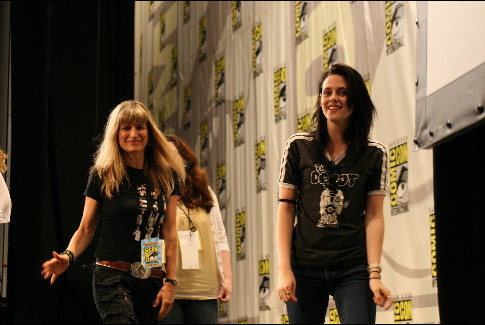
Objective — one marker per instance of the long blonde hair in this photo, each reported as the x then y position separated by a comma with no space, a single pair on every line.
3,165
160,159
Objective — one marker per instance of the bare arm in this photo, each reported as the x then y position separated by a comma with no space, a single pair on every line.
78,244
374,229
165,296
285,221
225,291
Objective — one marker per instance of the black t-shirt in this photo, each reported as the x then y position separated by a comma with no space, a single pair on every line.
130,216
330,228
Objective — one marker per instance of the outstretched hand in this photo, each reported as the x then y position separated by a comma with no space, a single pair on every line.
55,266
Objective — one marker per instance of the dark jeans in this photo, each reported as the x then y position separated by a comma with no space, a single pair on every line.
186,311
123,299
349,288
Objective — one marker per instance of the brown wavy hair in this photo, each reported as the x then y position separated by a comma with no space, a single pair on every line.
3,165
195,191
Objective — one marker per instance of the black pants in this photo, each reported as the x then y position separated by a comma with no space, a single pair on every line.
123,299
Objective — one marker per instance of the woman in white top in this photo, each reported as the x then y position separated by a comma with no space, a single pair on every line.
203,263
5,201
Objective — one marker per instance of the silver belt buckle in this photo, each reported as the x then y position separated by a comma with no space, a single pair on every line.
140,272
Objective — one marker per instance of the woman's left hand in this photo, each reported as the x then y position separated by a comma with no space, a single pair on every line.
225,291
165,298
381,293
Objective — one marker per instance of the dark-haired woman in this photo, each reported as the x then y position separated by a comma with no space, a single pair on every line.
203,262
333,179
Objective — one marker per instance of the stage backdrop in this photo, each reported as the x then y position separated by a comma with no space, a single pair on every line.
237,78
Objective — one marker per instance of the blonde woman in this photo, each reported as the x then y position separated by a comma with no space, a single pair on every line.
132,190
5,201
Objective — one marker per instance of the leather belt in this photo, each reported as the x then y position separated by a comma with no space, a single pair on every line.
137,270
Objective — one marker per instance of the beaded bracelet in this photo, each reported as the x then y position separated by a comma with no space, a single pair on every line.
70,255
375,277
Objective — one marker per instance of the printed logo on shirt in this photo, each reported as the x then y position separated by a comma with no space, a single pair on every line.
204,143
330,47
398,176
187,106
301,21
257,49
236,15
219,81
238,121
394,25
434,270
264,283
240,235
403,310
279,76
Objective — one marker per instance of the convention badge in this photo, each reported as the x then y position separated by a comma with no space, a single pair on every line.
151,253
189,249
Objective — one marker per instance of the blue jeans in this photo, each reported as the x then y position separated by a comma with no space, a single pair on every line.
186,311
349,288
123,299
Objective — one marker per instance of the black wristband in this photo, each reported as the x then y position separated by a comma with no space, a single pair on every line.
288,201
70,255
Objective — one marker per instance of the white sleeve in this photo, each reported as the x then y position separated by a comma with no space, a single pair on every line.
5,202
216,218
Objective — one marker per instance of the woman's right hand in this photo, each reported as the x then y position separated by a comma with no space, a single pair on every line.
55,266
287,286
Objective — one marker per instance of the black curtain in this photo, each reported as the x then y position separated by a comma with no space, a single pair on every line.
72,62
459,180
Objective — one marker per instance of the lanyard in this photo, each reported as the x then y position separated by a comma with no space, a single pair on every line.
192,227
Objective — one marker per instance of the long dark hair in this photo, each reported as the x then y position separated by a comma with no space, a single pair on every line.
195,191
363,112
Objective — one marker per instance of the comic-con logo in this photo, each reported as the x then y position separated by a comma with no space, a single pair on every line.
330,48
260,157
279,76
398,176
174,67
403,311
163,29
240,235
221,185
186,11
301,20
257,49
394,25
264,284
238,121
202,49
304,122
333,316
236,14
219,81
204,143
222,309
434,269
187,106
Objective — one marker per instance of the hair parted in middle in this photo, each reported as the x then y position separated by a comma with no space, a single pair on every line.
160,160
195,191
363,111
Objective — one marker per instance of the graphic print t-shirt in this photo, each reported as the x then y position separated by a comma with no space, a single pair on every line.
119,215
330,228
